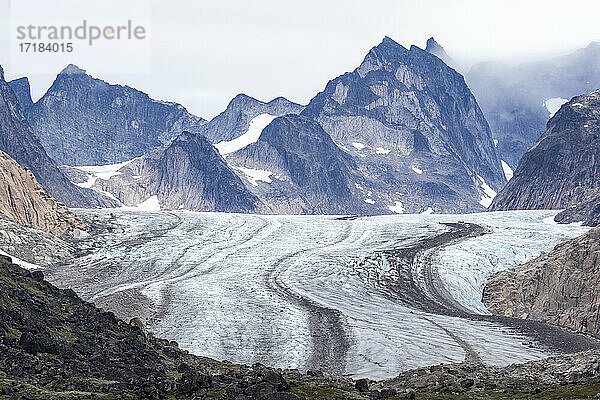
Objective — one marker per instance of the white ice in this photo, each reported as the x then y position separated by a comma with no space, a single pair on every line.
257,124
256,175
101,172
417,170
508,172
554,104
227,285
358,145
488,193
381,150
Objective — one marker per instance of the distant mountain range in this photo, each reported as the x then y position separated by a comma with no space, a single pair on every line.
400,133
19,141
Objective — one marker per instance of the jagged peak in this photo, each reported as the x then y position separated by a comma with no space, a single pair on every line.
432,45
390,44
242,98
72,69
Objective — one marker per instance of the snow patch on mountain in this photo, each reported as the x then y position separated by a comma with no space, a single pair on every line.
257,124
256,175
101,172
508,172
554,104
398,208
417,170
381,150
358,145
488,195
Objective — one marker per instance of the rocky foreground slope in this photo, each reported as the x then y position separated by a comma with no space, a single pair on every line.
25,200
55,346
560,287
562,169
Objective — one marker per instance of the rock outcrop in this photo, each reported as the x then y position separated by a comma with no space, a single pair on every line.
518,101
562,169
25,200
587,212
18,141
82,120
560,287
188,174
414,130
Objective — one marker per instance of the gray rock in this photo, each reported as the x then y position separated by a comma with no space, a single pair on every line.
560,287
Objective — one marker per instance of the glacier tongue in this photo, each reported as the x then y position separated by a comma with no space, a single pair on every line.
300,291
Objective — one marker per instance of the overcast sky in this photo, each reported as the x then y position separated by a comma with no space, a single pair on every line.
203,53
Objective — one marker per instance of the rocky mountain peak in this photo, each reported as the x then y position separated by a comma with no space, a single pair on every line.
437,50
72,69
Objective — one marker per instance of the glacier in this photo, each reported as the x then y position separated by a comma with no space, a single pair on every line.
311,292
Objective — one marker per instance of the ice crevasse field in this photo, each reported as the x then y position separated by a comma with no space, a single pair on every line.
307,291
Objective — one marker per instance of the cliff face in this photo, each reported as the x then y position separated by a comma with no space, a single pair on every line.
562,169
18,141
188,174
560,287
414,130
86,121
25,200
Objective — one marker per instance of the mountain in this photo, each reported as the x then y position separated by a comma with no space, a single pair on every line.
560,287
414,130
18,141
82,120
518,101
562,169
295,167
188,174
240,112
26,201
434,48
